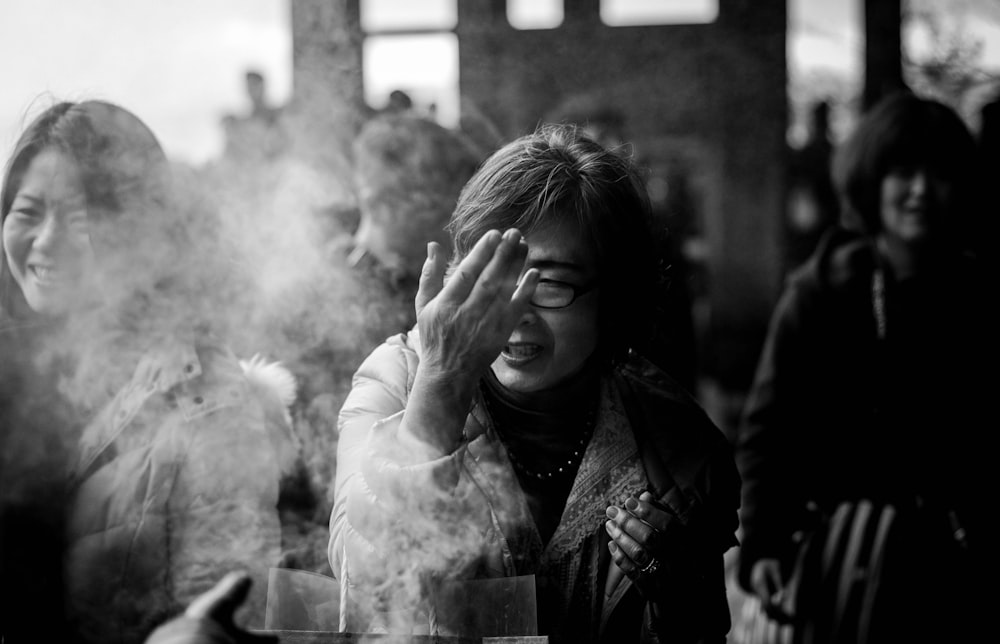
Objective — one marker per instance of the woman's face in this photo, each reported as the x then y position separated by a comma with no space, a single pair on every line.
45,236
550,345
914,203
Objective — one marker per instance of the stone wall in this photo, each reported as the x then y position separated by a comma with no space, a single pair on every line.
708,98
705,103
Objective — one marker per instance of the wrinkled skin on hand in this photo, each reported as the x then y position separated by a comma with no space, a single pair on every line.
642,530
465,323
463,326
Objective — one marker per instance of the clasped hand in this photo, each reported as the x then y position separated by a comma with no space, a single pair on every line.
639,532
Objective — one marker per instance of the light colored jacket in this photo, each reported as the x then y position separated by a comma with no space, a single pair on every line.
402,518
176,484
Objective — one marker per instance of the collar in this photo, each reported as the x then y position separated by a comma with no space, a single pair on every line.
162,368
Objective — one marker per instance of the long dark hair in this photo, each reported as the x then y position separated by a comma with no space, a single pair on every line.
152,245
126,180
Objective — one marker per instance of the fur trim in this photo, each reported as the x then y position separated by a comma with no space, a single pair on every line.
271,376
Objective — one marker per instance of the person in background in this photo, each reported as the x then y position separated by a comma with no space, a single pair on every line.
170,447
258,136
517,430
408,172
813,203
871,383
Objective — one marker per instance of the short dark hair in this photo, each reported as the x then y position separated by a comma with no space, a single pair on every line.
557,174
903,130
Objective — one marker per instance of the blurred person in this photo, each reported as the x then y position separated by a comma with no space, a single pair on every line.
516,430
399,101
871,384
408,172
256,87
814,204
259,135
169,448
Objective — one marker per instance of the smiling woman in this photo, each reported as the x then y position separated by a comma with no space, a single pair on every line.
139,460
517,431
870,393
46,237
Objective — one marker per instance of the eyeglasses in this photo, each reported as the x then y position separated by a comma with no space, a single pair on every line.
553,294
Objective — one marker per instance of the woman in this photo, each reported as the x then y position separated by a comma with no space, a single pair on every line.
172,451
514,431
869,387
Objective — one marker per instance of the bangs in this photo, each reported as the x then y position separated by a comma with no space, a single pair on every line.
928,137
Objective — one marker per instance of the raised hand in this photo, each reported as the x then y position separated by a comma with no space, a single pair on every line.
463,326
465,323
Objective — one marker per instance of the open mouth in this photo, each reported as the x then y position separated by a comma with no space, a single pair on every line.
49,275
518,353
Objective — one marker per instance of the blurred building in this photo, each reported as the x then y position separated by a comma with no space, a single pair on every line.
705,106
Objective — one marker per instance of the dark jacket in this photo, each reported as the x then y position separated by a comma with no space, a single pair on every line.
37,432
462,516
837,413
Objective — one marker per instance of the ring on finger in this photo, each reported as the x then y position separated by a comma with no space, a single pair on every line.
651,567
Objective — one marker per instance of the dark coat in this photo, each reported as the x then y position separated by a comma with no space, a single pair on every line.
836,413
37,431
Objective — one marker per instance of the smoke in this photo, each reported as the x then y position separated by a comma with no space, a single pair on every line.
408,539
262,254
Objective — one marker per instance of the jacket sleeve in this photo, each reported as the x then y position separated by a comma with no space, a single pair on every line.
766,441
397,516
691,606
223,509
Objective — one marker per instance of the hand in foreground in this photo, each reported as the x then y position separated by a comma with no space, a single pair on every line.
463,326
209,618
465,322
641,535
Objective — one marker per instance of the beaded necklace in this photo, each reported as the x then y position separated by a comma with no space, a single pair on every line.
565,466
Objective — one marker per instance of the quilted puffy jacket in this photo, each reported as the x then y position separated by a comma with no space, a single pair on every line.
451,517
176,484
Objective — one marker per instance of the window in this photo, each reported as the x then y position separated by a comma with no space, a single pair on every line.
408,15
630,13
535,14
424,66
410,46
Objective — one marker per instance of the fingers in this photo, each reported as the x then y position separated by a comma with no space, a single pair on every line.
222,600
632,540
525,289
464,278
489,273
649,510
431,276
499,278
765,578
